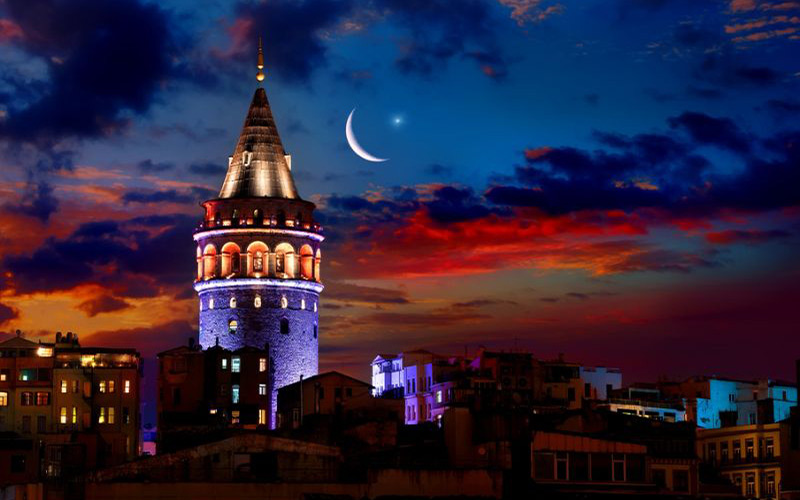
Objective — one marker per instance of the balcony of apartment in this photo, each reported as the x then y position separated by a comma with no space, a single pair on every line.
649,403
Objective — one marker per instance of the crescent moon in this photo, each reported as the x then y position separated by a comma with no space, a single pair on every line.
354,145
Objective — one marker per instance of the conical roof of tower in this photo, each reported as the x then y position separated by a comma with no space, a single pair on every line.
258,167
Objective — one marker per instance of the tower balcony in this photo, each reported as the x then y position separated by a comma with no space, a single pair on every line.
271,223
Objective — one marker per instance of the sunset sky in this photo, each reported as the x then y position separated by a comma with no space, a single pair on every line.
616,180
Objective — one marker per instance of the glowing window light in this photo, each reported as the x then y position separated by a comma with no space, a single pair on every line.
44,352
257,301
303,304
315,307
211,303
233,303
284,302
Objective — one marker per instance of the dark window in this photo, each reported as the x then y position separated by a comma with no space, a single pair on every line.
660,478
41,423
284,326
680,480
348,392
619,466
587,390
280,263
737,450
579,466
571,394
26,424
562,463
634,468
321,393
543,462
315,331
126,415
236,261
337,392
26,399
609,388
176,395
723,452
17,464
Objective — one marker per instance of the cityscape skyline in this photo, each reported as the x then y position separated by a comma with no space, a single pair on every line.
617,219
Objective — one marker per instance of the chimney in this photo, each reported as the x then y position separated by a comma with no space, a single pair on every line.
19,332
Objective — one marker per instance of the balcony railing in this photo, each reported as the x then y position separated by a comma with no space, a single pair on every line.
298,225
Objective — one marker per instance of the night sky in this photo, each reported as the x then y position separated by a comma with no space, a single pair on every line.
617,180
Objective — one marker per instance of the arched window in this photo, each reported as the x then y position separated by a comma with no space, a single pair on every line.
284,326
284,302
230,259
281,218
257,253
258,218
232,303
233,325
257,301
209,262
303,304
211,303
285,261
306,262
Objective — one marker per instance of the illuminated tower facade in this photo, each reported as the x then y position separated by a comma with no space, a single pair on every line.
258,256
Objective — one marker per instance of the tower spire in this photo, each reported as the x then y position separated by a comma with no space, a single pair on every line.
260,64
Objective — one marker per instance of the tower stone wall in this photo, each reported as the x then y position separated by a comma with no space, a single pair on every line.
259,258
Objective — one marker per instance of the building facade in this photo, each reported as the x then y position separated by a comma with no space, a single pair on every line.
60,400
747,455
202,391
258,256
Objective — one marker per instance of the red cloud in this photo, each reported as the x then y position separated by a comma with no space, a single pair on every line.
9,30
744,236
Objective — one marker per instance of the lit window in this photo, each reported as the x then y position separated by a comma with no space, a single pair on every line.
212,411
101,419
262,364
224,363
42,398
235,417
315,307
102,387
303,304
262,389
44,352
233,325
63,386
74,414
233,303
257,301
235,394
3,376
127,388
3,398
258,262
262,416
111,386
110,414
63,416
211,303
284,302
236,364
438,396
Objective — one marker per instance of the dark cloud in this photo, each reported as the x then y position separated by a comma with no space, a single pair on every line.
148,166
294,29
705,129
100,67
148,340
121,256
727,70
451,204
37,201
436,32
208,169
784,106
439,170
7,313
102,304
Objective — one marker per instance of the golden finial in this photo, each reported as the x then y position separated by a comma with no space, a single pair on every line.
260,65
